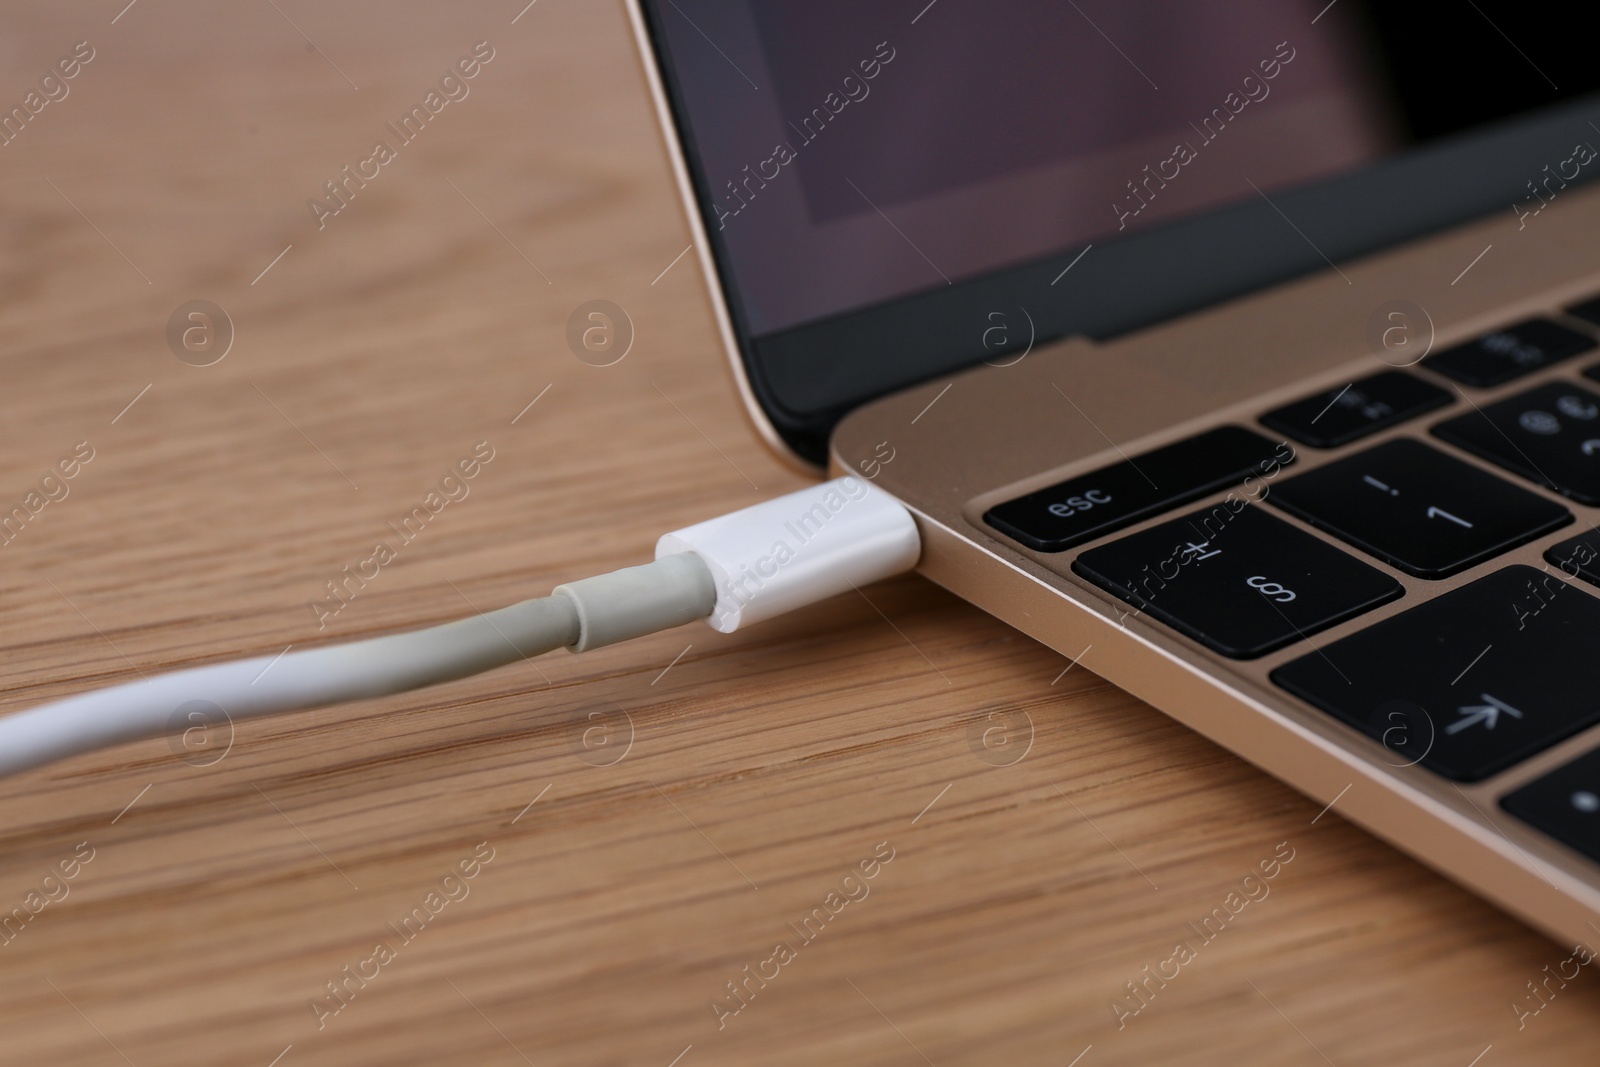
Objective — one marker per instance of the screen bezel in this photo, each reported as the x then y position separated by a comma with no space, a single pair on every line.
805,378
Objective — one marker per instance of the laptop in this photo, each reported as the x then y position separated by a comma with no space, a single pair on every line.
1244,353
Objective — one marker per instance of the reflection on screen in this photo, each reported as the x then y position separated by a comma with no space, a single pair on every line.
853,152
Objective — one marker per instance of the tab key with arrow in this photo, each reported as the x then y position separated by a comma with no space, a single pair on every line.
1487,713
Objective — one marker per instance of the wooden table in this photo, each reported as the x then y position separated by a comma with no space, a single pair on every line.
642,823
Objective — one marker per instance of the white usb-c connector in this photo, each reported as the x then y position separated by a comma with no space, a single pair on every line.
795,550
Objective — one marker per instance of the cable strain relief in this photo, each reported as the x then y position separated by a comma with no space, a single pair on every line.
635,601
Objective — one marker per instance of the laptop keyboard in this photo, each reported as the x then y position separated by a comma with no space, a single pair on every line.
1466,684
1578,556
1508,354
1237,580
1564,804
1418,509
1549,435
1120,495
1341,416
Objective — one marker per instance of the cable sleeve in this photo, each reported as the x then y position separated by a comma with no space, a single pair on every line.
267,685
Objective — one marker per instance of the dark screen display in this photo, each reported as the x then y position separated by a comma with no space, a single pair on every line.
853,153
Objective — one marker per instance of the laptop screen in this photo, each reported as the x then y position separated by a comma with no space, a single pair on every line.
851,155
855,155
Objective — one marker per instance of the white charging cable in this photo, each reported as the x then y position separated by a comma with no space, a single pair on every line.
731,571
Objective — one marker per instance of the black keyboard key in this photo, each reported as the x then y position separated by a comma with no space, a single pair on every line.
1498,357
1470,682
1236,579
1578,557
1589,310
1351,412
1549,435
1083,508
1413,506
1564,804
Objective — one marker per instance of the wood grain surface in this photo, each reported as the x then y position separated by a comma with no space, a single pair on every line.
645,824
